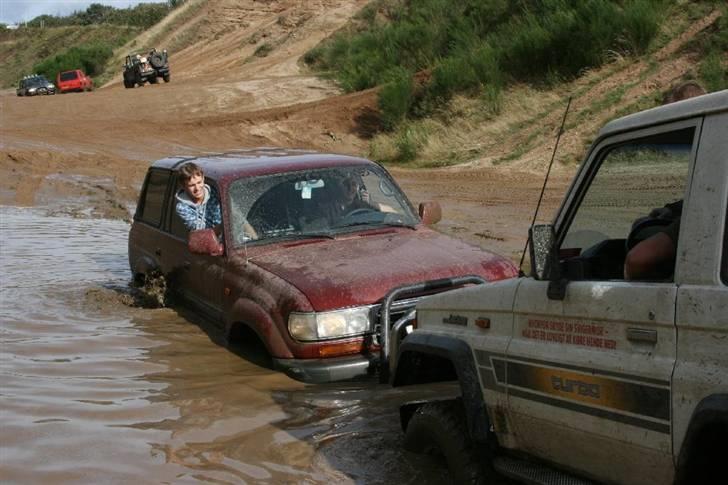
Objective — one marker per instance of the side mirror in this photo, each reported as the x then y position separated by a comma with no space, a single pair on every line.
544,263
204,241
430,212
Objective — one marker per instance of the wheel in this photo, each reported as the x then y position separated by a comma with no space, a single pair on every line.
153,80
438,428
167,77
128,84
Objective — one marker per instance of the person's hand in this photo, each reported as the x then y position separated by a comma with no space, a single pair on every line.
364,195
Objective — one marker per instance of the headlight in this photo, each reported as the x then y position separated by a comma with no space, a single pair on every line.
329,325
31,90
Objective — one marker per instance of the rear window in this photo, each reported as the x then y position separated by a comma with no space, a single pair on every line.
150,205
69,76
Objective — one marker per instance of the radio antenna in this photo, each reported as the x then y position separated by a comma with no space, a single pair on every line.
543,189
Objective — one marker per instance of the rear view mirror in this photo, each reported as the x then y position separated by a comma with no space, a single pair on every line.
430,212
204,241
544,264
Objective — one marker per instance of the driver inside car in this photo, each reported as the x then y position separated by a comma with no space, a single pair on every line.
653,257
349,195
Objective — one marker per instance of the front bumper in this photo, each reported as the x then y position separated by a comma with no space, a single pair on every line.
330,369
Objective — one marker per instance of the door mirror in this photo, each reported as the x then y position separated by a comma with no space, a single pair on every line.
544,263
204,241
430,212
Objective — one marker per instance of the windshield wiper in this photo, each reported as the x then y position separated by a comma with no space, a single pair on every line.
313,234
379,223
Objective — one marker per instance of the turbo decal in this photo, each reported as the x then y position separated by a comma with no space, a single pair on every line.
603,394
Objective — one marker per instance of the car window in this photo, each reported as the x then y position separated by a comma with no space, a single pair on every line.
176,224
324,201
635,182
69,76
155,187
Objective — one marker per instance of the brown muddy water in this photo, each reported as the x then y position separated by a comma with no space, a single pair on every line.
96,390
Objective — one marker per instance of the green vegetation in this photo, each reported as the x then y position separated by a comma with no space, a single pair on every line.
143,15
90,58
479,46
425,57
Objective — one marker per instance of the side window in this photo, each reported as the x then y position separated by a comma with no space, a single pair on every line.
176,224
636,192
155,187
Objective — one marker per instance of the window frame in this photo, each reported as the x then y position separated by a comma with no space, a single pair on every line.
600,151
141,204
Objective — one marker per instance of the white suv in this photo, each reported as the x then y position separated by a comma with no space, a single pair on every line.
575,372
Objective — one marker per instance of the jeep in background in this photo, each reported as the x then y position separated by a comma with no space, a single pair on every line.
311,243
575,373
35,84
142,68
74,80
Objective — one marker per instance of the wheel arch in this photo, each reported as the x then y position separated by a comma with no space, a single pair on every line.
701,452
249,314
425,358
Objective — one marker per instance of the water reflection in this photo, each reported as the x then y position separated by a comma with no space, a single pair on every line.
94,390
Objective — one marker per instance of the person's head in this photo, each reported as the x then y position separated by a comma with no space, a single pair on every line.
192,180
349,189
682,91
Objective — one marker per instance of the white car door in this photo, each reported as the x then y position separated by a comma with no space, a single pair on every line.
590,369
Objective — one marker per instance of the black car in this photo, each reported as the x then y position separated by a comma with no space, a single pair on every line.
143,68
35,85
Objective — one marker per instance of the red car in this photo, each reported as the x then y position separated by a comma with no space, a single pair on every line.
292,273
75,80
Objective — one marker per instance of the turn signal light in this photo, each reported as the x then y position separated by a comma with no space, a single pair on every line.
332,350
482,322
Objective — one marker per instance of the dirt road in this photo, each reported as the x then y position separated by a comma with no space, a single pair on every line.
86,153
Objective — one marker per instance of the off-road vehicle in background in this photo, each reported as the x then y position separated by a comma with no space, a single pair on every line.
142,68
576,373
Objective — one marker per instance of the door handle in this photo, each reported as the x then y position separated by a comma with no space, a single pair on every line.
642,335
158,252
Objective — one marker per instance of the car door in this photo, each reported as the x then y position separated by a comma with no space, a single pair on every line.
195,277
589,368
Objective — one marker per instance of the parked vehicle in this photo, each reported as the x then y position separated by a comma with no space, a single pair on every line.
74,80
34,85
305,282
576,372
142,68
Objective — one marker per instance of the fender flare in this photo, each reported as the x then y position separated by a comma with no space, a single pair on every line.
709,412
249,313
459,353
144,264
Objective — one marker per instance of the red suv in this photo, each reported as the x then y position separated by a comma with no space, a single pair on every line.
290,272
75,80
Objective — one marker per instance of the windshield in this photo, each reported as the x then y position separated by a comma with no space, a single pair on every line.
69,75
316,203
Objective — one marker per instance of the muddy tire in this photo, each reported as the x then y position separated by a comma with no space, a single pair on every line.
167,77
438,428
153,80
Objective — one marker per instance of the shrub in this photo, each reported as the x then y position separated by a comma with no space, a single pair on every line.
395,98
91,58
712,72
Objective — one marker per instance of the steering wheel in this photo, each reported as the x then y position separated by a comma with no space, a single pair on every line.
644,229
357,212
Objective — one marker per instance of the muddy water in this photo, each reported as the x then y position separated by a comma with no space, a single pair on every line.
96,390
